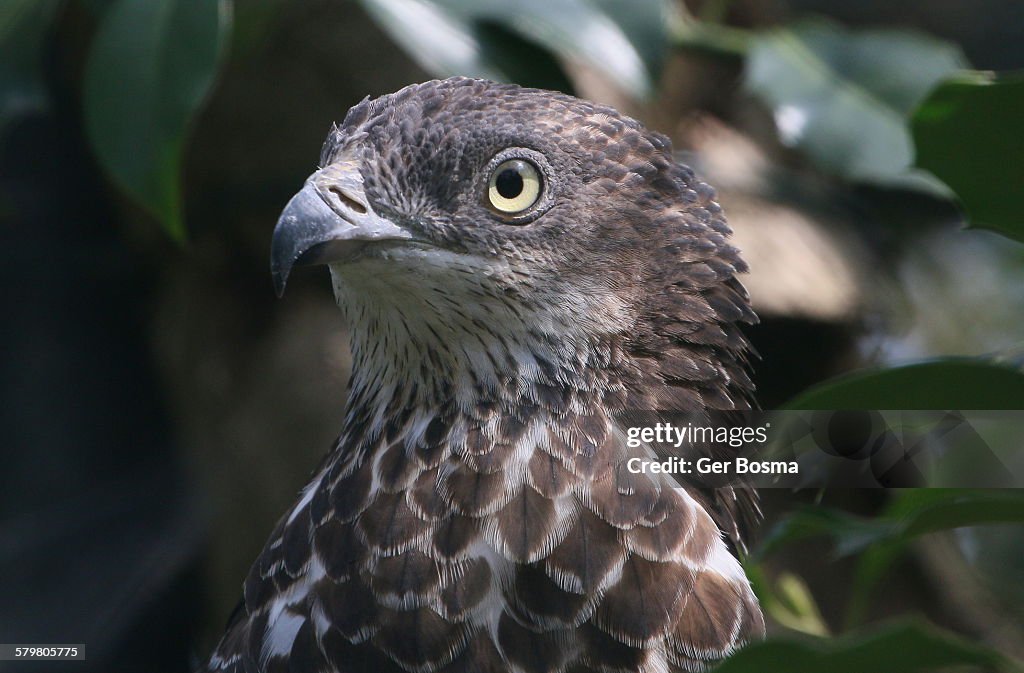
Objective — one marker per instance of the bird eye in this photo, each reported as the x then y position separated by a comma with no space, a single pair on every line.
514,186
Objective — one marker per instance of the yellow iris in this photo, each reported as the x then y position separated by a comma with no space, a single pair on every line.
514,186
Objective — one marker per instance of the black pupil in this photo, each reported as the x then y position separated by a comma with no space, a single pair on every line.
509,183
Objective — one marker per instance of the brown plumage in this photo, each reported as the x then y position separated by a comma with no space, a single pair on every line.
521,271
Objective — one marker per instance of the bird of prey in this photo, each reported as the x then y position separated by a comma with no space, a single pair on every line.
518,269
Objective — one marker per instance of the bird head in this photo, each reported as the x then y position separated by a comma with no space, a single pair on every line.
514,228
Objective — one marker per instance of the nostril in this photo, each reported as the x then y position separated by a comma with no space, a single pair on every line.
347,200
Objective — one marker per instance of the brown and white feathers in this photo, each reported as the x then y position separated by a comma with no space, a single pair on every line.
476,513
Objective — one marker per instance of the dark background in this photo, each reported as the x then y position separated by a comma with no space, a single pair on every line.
160,408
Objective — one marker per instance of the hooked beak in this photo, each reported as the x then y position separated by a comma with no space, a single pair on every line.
329,220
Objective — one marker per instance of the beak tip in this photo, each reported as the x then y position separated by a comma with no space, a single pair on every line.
315,229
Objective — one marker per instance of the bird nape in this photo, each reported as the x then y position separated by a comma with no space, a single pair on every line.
518,269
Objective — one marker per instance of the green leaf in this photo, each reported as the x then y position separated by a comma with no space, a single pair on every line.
915,512
921,511
24,25
881,540
450,37
918,512
646,24
849,533
148,71
951,383
969,133
843,98
897,647
790,603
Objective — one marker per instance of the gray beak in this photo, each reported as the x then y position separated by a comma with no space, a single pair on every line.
329,220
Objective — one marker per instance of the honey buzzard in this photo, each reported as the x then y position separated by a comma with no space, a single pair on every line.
519,270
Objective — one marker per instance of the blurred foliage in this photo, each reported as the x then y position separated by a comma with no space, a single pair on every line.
900,647
881,107
912,513
962,293
24,25
948,383
879,541
967,133
843,97
151,64
789,601
500,40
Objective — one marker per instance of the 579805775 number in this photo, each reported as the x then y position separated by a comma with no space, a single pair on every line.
17,652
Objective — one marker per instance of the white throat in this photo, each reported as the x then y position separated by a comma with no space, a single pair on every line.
437,326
